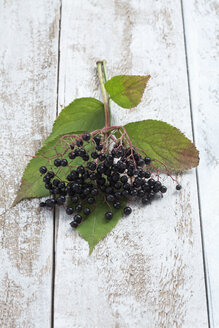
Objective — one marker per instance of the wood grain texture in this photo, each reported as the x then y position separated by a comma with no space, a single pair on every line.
201,27
148,272
28,82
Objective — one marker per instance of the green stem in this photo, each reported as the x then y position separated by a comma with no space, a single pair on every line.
106,78
101,68
104,70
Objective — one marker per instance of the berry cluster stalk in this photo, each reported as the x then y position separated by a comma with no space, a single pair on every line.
102,74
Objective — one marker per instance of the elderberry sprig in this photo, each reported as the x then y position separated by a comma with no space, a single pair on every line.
104,168
116,170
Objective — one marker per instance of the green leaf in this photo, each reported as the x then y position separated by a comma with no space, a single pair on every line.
127,90
83,114
96,227
165,143
32,184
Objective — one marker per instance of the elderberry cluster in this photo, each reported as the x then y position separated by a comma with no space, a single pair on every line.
118,173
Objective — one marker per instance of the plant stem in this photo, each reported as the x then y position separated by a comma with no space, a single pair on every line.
104,70
101,68
106,78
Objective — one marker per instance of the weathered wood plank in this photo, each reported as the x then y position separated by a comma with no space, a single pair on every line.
148,272
201,25
28,83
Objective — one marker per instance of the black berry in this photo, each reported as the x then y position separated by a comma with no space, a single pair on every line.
147,160
163,189
108,215
145,200
79,143
78,208
77,218
94,192
55,182
124,179
49,202
74,199
74,224
86,211
85,157
102,157
178,187
91,166
60,200
43,169
64,162
117,205
69,210
61,185
80,169
50,174
147,174
72,155
110,198
97,140
127,210
141,162
57,162
93,176
151,182
94,155
99,147
86,137
82,152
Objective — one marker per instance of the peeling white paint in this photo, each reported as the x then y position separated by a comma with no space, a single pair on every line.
201,26
148,272
28,68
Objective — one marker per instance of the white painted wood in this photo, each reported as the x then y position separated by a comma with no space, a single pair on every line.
148,272
28,79
201,26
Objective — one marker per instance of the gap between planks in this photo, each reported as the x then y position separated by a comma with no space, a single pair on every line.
55,212
207,289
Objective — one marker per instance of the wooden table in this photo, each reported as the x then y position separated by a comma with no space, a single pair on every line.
159,267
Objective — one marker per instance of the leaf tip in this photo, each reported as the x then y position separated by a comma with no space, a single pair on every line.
15,202
17,199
